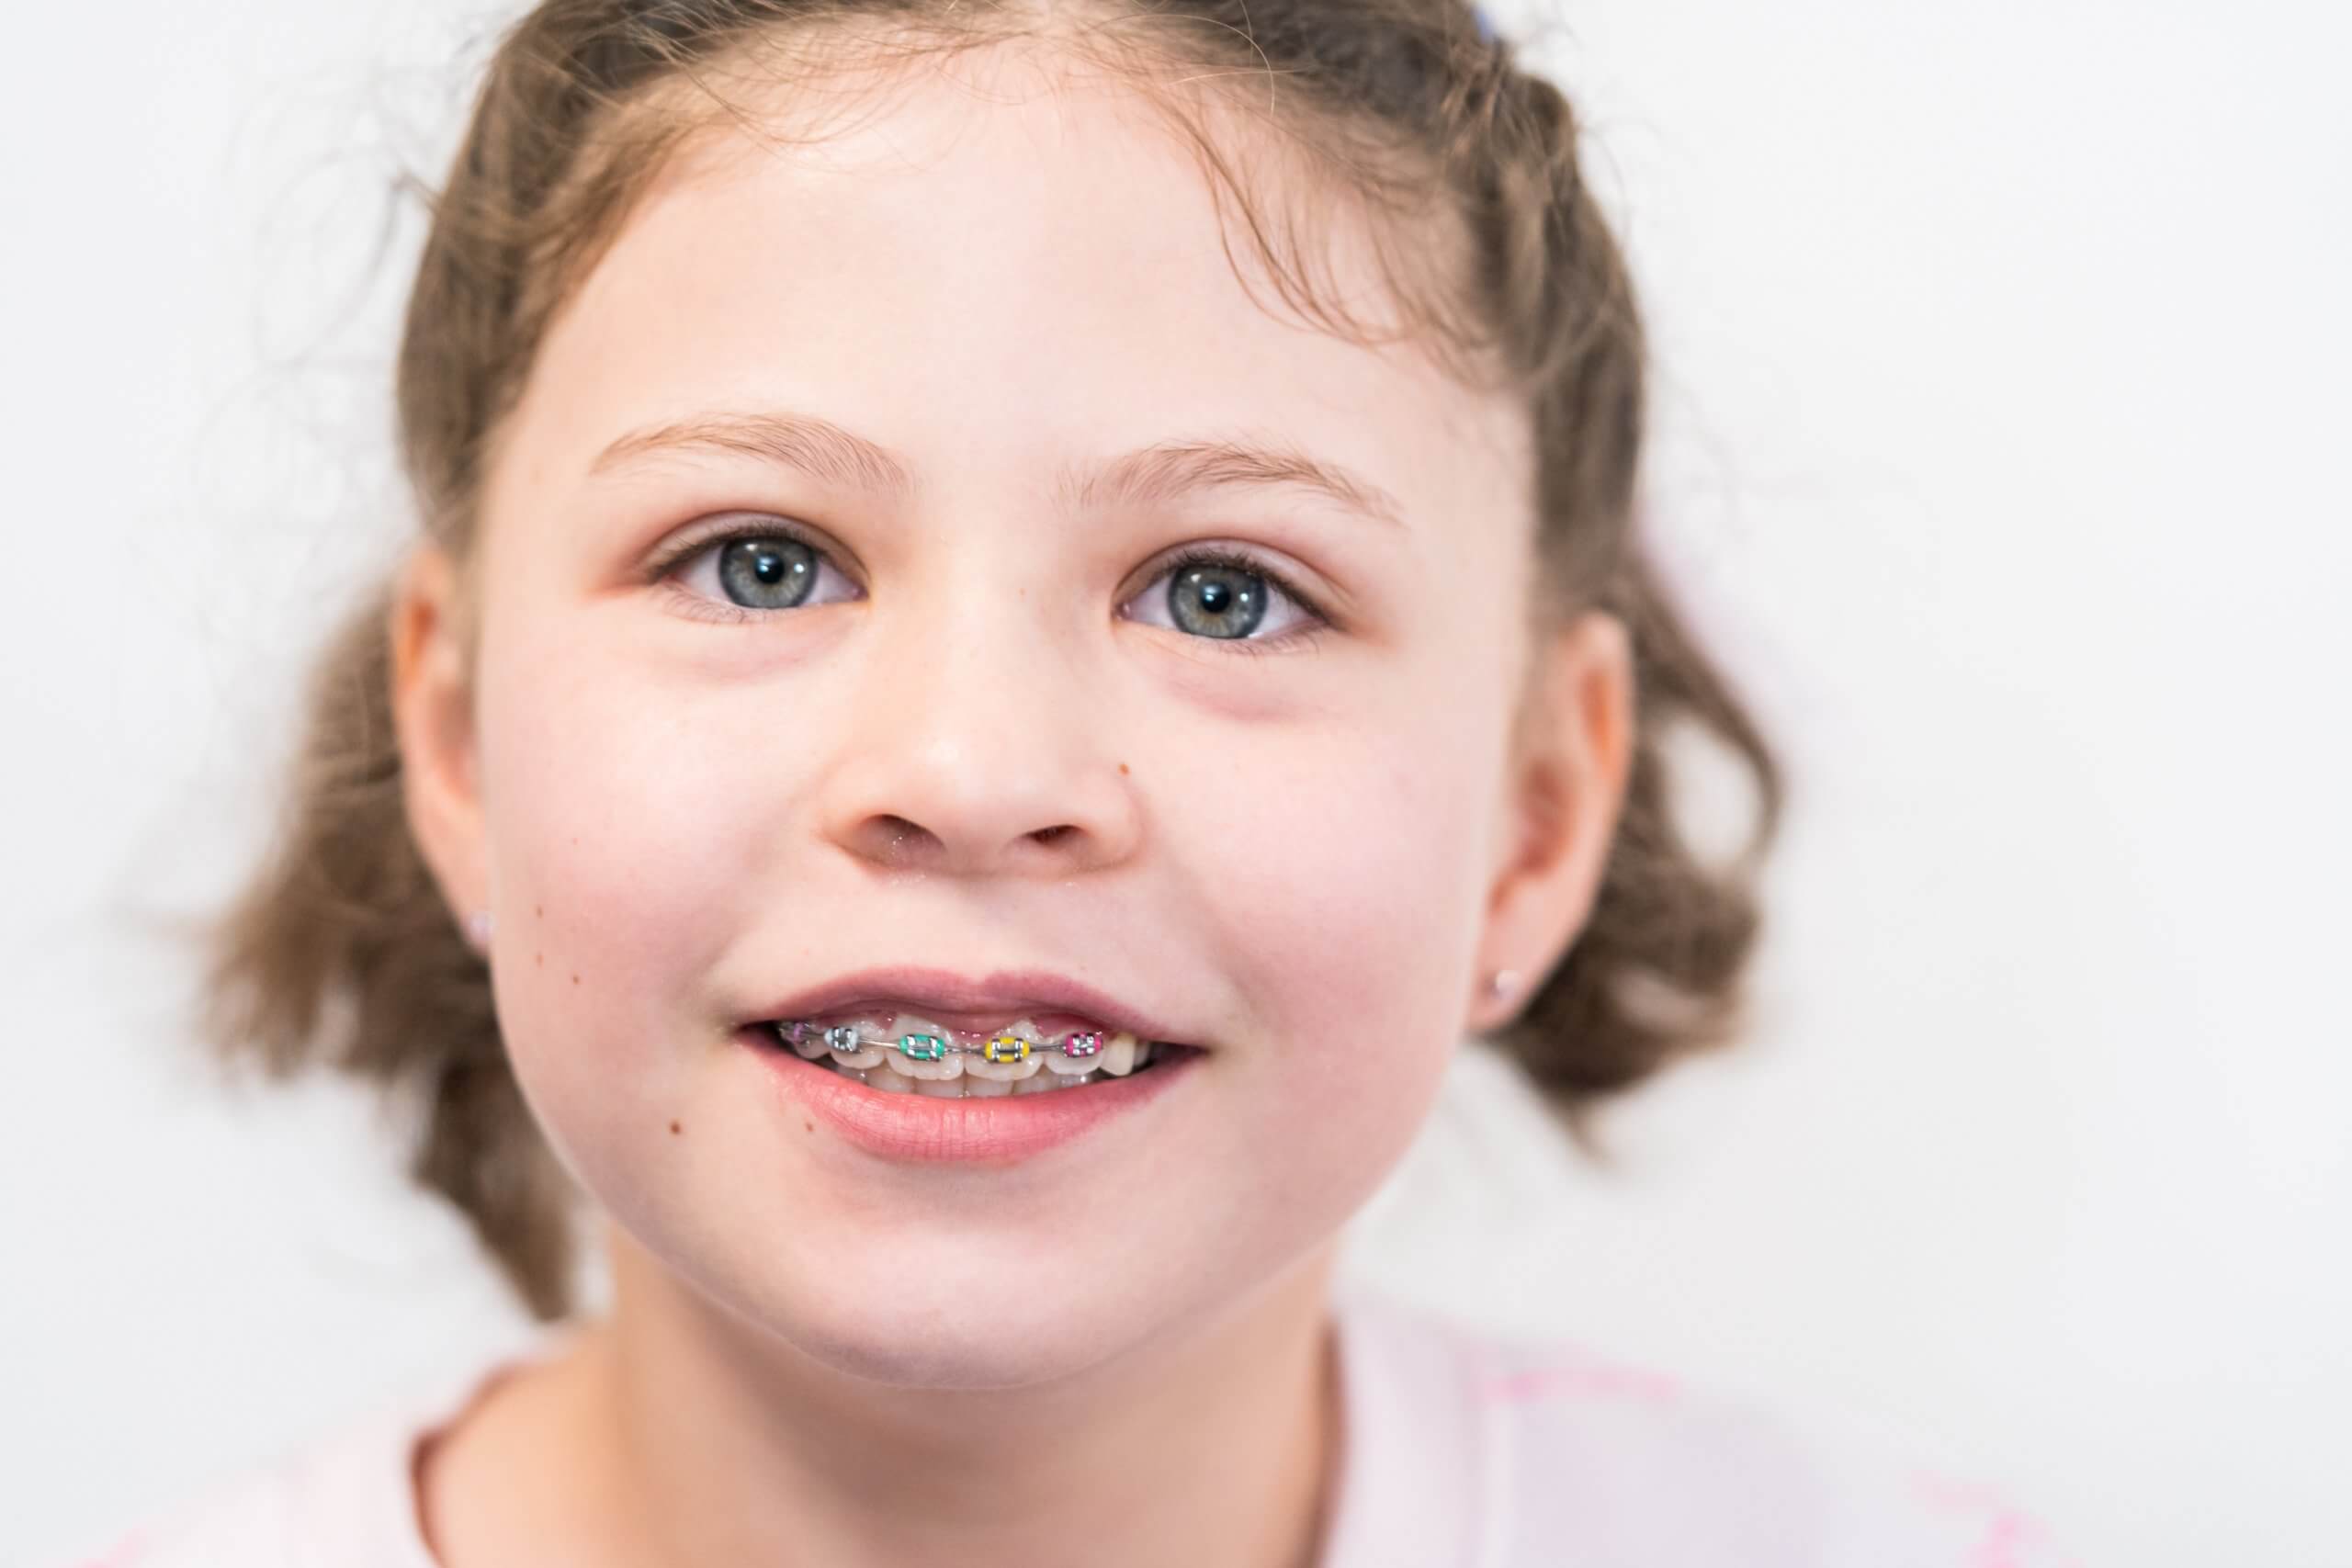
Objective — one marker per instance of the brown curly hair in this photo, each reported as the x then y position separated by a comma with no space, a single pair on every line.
1409,105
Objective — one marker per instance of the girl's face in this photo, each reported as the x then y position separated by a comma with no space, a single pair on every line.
994,732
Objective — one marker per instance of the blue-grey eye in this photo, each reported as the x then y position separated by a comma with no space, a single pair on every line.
1217,601
768,572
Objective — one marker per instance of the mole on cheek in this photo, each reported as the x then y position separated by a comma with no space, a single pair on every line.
807,1126
673,1126
1123,767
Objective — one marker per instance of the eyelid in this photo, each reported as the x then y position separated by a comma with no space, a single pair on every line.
1240,559
728,525
663,568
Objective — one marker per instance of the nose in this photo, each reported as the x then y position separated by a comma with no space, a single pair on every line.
983,745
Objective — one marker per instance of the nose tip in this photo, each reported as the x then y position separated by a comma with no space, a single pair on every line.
973,834
981,746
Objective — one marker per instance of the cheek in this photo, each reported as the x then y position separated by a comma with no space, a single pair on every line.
619,848
1346,911
1341,871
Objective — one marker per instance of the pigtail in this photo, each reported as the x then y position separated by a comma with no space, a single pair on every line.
342,955
1654,974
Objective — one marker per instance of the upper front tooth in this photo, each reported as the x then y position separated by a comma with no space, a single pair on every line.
949,1066
978,1065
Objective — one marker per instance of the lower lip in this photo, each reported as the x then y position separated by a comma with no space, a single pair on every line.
997,1130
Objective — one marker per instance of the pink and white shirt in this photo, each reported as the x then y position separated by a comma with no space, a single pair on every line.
1461,1449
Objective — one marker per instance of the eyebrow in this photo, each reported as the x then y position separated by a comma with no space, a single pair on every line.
1161,471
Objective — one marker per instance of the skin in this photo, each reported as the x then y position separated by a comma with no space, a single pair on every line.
985,742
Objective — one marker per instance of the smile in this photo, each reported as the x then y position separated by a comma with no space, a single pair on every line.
925,1096
907,1053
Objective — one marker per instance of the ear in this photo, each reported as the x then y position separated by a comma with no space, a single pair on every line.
433,712
1561,798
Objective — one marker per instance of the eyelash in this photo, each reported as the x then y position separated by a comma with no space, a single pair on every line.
664,569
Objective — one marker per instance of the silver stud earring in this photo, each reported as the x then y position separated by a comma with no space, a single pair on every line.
1502,983
477,930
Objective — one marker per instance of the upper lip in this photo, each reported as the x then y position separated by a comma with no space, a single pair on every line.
1007,994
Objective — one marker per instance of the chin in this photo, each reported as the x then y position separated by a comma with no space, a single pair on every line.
910,1317
922,1346
955,1359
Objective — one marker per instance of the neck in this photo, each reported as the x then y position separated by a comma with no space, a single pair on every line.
722,1443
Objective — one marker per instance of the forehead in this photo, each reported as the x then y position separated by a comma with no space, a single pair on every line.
1002,258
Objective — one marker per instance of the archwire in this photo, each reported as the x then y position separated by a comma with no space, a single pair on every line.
844,1037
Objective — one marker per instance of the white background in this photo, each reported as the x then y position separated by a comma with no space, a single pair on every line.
2002,411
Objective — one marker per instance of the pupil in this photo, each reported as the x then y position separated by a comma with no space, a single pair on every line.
766,574
1217,601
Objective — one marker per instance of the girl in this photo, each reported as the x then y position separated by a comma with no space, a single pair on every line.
1024,614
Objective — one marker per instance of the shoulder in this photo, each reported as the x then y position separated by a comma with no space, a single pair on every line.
345,1496
1556,1452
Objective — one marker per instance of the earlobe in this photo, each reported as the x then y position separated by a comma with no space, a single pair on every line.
433,713
1562,798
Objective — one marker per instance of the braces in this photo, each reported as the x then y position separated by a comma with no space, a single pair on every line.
933,1047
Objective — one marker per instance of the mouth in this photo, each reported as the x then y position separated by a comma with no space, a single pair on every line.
905,1029
924,1054
909,1087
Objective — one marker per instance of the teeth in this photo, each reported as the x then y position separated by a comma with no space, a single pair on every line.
1069,1067
810,1043
978,1067
865,1057
961,1074
967,1087
946,1068
1118,1057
